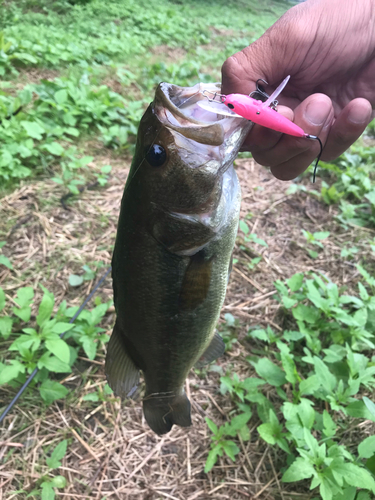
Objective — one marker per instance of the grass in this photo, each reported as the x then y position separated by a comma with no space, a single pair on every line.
285,408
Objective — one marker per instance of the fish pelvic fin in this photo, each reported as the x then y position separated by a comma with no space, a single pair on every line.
162,411
213,351
121,372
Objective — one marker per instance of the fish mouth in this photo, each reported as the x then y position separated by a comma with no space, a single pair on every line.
177,109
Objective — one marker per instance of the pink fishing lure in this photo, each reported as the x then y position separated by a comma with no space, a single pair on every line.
257,111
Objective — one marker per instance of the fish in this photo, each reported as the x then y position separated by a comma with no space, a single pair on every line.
173,251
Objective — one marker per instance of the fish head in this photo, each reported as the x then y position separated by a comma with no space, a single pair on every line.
183,150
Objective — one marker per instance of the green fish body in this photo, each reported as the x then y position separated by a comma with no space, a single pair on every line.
172,257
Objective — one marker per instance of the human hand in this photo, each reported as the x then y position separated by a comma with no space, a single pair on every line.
328,48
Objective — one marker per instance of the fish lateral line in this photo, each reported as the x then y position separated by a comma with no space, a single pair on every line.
261,110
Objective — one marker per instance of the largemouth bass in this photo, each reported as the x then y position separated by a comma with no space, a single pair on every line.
172,257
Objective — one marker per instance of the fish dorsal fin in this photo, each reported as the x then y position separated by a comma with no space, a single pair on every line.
213,351
122,374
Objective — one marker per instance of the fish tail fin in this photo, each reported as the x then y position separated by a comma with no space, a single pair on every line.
161,412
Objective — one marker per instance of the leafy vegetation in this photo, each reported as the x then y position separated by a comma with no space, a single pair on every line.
320,367
38,343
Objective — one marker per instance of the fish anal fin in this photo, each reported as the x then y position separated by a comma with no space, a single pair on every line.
121,372
196,282
162,412
213,351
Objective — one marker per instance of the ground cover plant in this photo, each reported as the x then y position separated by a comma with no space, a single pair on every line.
287,412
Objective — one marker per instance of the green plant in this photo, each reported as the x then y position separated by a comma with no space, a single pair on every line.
220,444
46,484
320,368
39,344
314,239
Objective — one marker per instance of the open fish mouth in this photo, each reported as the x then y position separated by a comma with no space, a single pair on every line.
177,108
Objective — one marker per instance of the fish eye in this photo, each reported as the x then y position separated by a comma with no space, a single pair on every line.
230,106
156,155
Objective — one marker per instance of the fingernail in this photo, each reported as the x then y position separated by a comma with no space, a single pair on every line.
358,115
316,113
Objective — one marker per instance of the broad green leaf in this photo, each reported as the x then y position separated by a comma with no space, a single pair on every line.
325,489
10,372
295,282
62,327
93,396
211,459
366,449
238,422
53,364
75,280
347,494
288,302
300,469
89,346
266,432
58,453
54,148
326,378
329,425
45,308
6,324
290,368
59,348
244,227
24,296
33,129
23,313
61,96
51,390
321,235
370,405
354,475
231,449
358,409
306,313
48,493
270,372
211,425
5,262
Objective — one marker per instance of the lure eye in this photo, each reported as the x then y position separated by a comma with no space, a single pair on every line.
230,106
156,155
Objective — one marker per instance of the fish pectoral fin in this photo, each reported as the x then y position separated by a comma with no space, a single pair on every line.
180,234
213,351
162,411
121,372
196,282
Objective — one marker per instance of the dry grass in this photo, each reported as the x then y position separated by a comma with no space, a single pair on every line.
112,453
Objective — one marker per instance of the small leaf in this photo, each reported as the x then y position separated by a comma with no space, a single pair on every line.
48,492
51,390
59,348
300,469
6,324
33,129
366,449
54,148
295,282
5,262
370,405
244,227
93,396
57,454
61,96
270,372
211,459
75,280
45,308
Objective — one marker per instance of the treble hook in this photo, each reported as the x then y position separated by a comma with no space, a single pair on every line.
215,94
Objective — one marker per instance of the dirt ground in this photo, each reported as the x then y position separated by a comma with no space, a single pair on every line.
112,454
